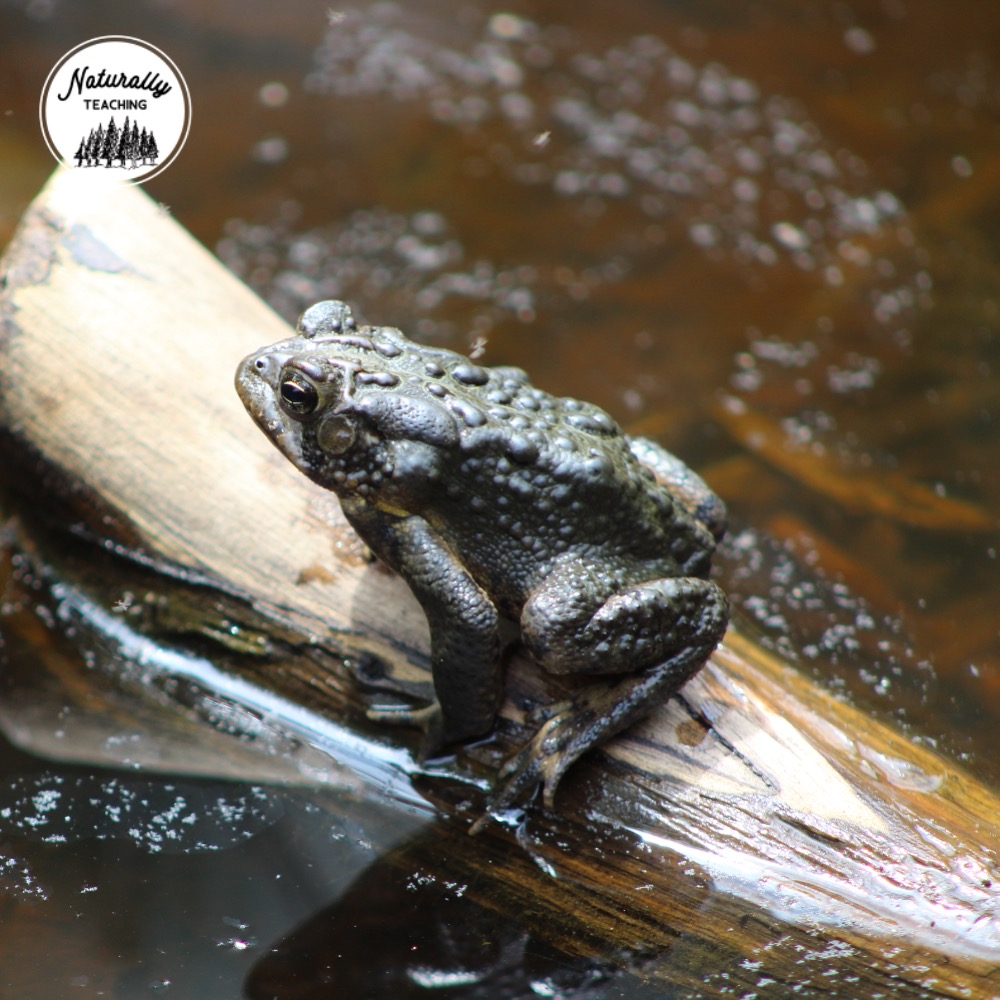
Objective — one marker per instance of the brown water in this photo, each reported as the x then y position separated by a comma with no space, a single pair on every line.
764,234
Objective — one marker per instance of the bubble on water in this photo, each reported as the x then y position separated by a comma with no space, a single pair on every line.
704,234
517,107
859,41
17,880
809,617
746,190
270,150
273,95
510,26
635,118
961,166
789,236
408,259
693,151
785,353
156,816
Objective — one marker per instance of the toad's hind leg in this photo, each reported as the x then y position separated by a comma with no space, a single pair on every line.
602,710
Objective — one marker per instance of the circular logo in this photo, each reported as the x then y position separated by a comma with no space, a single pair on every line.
118,106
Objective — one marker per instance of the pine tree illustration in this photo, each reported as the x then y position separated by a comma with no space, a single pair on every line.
133,145
95,145
109,149
121,152
114,146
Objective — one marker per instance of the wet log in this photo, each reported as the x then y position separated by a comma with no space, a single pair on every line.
205,557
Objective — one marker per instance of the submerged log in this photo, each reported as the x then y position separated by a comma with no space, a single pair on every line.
186,531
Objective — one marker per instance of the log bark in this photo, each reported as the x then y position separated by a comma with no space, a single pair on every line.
120,337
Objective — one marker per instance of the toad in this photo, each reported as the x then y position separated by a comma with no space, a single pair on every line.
495,500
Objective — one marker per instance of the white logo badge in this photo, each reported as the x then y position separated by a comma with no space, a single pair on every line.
117,106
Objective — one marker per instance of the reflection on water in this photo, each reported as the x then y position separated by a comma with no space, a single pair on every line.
132,886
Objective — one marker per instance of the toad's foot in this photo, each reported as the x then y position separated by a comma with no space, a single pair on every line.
586,721
568,731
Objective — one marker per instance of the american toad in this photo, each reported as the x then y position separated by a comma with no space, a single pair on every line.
494,499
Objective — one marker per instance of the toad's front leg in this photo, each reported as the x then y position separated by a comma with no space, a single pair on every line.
464,627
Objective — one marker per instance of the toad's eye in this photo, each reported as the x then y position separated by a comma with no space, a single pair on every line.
299,397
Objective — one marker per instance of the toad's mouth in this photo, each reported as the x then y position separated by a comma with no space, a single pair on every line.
257,394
